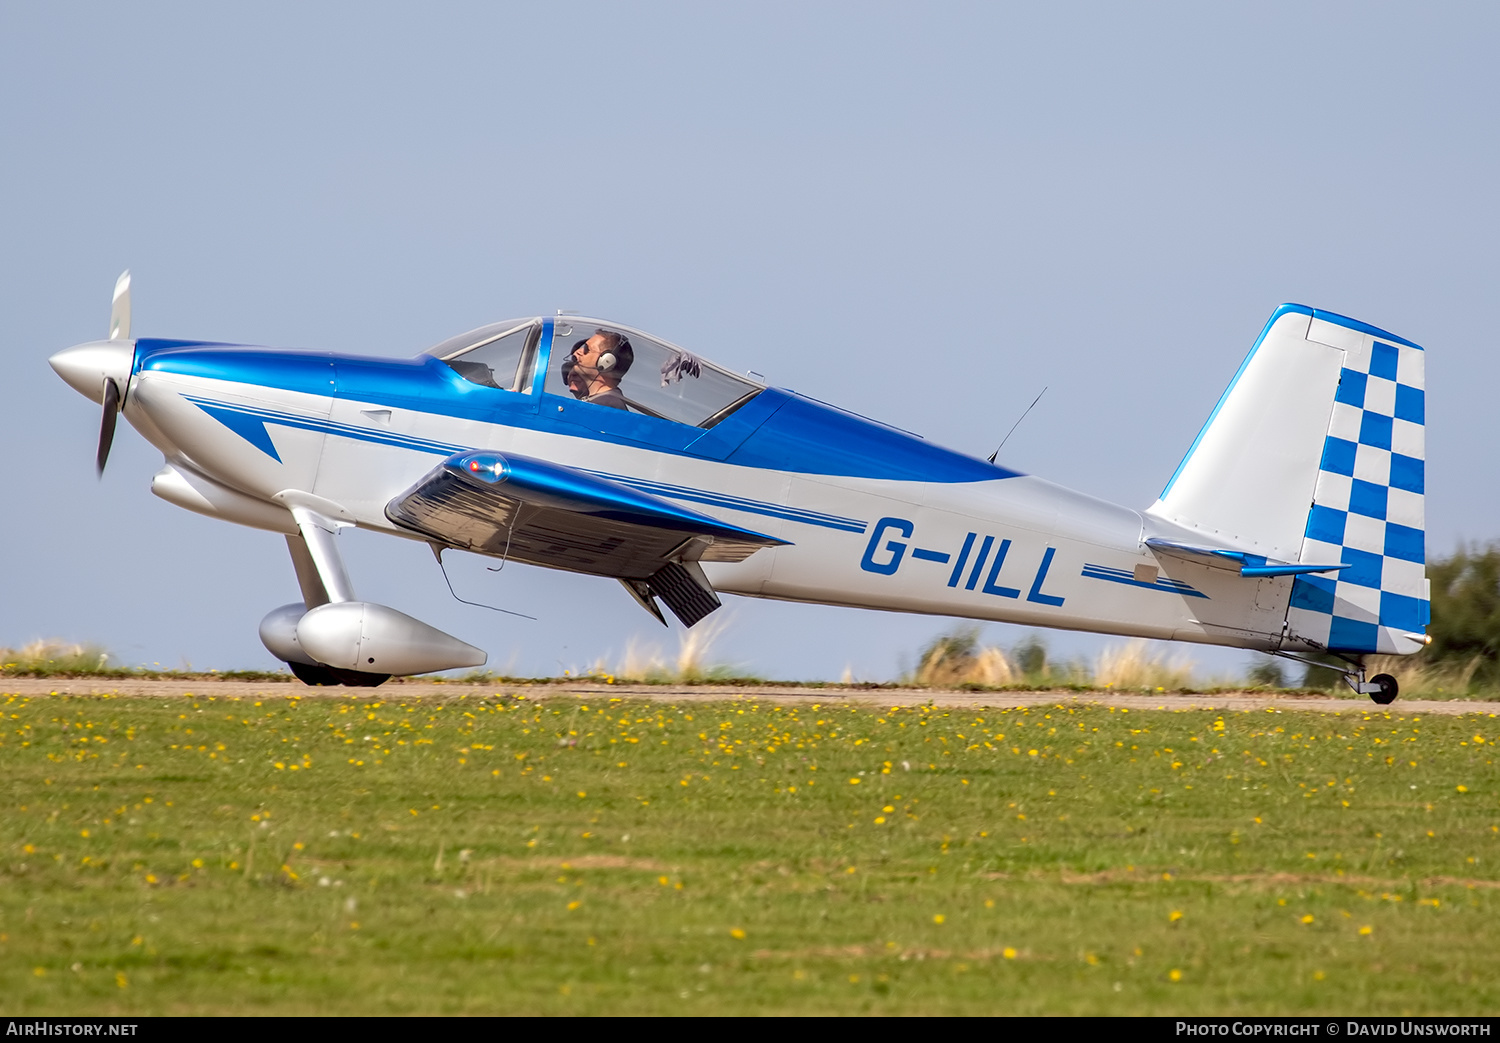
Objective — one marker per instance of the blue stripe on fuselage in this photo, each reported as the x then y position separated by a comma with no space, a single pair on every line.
249,422
777,430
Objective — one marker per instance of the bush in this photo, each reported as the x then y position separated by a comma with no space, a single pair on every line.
1267,673
1465,625
957,659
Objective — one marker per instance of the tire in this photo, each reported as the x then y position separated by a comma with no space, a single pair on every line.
332,675
357,678
1388,689
313,675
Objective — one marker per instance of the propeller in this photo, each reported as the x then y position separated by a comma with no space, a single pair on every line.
100,369
119,329
119,308
107,423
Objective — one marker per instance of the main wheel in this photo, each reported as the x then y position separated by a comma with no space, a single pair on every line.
1388,689
332,675
357,678
314,675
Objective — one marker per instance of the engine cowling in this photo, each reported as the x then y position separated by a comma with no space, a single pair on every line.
376,639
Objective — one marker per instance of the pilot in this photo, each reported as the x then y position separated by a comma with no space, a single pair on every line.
593,369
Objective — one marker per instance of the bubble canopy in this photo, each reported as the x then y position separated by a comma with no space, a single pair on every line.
646,375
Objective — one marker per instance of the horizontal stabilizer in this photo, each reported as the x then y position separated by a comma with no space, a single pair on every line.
1250,565
542,513
1288,570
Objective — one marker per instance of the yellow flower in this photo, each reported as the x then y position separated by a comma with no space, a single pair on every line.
1366,929
1174,974
573,905
1307,918
737,933
938,918
1174,916
1008,953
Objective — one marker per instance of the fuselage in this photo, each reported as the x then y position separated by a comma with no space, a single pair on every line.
872,516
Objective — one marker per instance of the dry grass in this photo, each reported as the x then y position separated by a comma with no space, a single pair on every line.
1418,677
650,662
50,655
1138,664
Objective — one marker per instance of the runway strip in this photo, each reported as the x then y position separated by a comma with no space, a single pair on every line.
1233,701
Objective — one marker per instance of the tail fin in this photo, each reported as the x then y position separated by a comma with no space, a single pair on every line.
1315,453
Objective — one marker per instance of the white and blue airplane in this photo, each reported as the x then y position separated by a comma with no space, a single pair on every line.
1294,524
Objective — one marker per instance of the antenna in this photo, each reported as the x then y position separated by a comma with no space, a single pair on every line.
1017,424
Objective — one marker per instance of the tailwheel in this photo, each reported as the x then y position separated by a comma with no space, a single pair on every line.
1388,689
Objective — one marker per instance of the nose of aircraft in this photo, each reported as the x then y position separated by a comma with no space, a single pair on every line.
86,366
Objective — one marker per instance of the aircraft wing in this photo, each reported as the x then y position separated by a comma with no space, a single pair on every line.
541,513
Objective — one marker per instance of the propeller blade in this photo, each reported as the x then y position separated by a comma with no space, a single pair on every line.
107,422
119,309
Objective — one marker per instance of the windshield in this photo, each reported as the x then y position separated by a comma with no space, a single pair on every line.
498,355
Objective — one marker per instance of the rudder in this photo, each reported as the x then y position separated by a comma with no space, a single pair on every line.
1369,507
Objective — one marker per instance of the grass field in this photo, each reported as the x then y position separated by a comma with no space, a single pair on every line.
511,855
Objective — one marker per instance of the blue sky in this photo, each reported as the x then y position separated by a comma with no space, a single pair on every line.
925,215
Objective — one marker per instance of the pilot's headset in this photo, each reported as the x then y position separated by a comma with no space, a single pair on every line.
618,358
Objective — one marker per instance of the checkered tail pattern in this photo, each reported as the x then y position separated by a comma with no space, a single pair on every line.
1367,511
